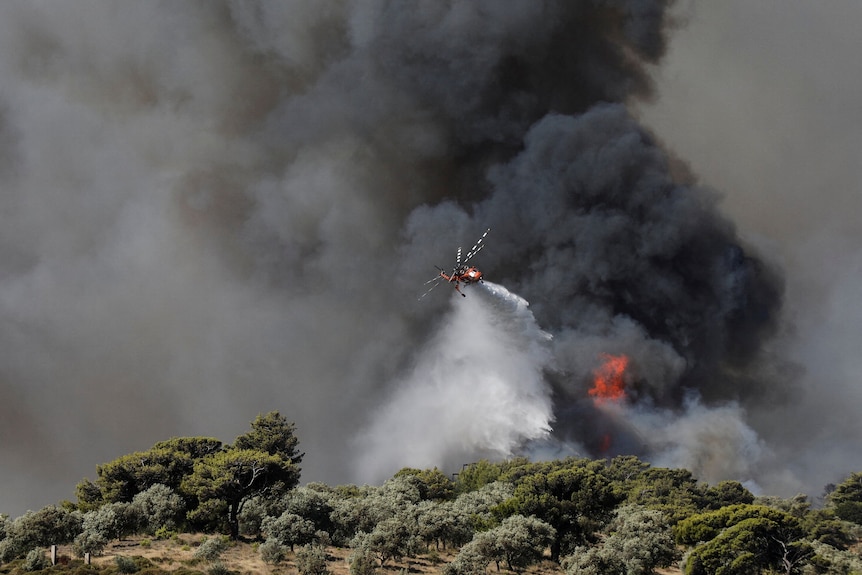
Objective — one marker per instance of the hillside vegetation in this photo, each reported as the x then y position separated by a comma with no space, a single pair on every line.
195,504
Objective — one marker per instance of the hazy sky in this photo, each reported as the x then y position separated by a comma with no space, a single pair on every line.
214,210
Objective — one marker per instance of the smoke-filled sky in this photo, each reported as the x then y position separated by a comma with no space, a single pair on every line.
211,210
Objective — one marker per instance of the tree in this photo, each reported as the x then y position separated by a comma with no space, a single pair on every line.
392,538
289,529
641,539
311,560
575,500
233,476
264,460
48,526
742,539
523,540
273,434
167,463
727,493
675,492
433,484
441,524
846,499
160,507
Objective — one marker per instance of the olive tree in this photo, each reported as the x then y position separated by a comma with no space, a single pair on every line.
48,526
637,541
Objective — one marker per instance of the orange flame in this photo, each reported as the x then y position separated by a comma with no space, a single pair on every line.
608,384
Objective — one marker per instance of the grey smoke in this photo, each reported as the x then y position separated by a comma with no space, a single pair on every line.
211,210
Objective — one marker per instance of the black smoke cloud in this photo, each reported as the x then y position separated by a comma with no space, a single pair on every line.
216,209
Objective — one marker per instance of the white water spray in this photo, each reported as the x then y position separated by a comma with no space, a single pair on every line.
476,390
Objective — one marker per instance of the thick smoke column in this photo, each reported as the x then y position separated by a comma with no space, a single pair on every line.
215,209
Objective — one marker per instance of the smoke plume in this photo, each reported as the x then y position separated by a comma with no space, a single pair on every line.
211,210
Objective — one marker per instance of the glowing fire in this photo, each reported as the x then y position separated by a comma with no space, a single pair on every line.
608,382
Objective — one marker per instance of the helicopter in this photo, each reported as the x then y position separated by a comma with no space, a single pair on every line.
461,272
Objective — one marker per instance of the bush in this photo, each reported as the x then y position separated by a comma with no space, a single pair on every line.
272,552
311,560
362,562
89,542
160,508
211,549
164,533
126,565
218,568
36,561
289,528
49,526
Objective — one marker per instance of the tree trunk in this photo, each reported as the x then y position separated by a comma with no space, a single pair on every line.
233,520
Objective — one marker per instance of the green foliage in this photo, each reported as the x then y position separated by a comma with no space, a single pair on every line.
726,493
272,434
747,538
471,560
476,475
272,552
361,510
91,542
442,524
126,565
798,505
362,561
392,538
311,560
289,529
522,540
263,460
163,533
846,499
433,484
674,492
641,539
211,549
828,560
36,560
576,499
159,507
48,526
313,502
626,469
194,447
234,475
595,560
833,532
706,526
637,541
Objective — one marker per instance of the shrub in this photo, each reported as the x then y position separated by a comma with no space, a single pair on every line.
272,552
362,562
36,561
311,560
218,568
90,542
159,507
164,533
126,565
211,549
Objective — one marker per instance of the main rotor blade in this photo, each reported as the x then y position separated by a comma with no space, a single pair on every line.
477,247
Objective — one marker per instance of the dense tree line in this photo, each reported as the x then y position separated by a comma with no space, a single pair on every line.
619,516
